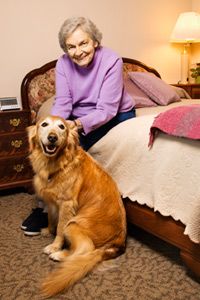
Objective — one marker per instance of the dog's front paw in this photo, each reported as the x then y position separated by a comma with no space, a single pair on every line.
50,249
59,255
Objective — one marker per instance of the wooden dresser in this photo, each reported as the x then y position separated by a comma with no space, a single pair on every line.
193,89
15,170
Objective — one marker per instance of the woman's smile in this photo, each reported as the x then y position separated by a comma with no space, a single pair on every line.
80,47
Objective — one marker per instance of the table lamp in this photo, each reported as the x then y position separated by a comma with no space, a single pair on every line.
186,31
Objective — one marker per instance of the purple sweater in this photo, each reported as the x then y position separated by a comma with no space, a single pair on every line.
94,94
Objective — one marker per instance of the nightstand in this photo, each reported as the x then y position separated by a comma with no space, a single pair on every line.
193,89
15,169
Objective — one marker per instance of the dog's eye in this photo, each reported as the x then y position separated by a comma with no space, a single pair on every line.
45,124
61,126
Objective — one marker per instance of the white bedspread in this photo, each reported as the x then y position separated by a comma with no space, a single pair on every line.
165,177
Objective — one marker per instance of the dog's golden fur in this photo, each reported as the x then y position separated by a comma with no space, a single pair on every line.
84,204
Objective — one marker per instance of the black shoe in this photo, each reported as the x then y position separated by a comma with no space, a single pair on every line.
35,222
36,212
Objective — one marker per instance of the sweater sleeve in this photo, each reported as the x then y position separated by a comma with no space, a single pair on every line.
62,106
109,99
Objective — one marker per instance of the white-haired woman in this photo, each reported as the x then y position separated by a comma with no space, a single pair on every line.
89,91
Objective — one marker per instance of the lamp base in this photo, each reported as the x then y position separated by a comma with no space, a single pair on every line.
184,66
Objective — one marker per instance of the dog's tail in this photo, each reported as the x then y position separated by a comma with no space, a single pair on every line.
74,268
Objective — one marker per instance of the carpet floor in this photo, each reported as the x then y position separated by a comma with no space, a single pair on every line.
150,269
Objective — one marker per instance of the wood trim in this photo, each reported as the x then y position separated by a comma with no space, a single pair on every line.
140,64
27,79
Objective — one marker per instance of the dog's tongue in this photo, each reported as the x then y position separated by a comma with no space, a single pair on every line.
51,147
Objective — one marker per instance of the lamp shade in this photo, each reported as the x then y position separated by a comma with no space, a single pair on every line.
187,28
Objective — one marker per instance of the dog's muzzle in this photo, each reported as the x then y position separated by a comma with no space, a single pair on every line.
51,147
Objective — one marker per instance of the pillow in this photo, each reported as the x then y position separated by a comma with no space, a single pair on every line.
45,108
140,99
159,91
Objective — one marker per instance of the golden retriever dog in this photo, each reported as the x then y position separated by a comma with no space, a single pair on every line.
84,205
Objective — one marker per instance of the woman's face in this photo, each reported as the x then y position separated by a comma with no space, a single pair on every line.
80,47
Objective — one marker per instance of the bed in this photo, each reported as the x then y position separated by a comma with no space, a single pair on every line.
162,200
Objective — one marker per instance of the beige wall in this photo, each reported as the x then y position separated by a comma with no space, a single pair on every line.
134,28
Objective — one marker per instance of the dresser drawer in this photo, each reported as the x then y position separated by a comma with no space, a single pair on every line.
15,169
15,143
195,93
11,121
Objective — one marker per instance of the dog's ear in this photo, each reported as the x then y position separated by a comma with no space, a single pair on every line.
31,130
73,140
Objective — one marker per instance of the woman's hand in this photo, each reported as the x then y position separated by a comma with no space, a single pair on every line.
78,124
75,123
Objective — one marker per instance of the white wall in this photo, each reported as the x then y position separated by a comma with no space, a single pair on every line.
134,28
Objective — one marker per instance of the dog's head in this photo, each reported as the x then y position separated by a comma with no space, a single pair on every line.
52,134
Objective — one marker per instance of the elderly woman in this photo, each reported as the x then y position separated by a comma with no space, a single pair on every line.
89,91
89,82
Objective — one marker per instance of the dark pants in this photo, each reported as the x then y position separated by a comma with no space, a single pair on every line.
87,141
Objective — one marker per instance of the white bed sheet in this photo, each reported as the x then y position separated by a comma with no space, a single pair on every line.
165,178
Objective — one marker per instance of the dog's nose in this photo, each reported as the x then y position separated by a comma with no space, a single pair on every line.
52,138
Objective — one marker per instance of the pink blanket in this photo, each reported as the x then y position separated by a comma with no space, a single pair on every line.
182,121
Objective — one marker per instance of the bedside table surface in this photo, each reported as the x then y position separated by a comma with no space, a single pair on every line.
186,84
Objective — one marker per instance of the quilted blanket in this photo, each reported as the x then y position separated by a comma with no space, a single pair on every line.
182,121
164,177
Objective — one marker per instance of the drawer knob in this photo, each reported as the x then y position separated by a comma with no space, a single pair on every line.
18,168
15,122
16,143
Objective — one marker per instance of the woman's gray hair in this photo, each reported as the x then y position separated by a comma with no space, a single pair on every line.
71,24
